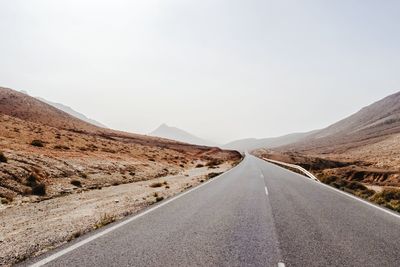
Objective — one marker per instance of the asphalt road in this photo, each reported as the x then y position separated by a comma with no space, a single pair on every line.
257,214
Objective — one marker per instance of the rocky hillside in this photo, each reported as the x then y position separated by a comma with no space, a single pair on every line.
27,108
45,152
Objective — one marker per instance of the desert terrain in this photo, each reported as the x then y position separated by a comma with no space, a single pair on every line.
73,176
360,154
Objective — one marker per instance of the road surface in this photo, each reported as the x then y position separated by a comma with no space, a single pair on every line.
258,214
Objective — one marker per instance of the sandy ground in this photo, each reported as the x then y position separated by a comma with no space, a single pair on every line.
22,234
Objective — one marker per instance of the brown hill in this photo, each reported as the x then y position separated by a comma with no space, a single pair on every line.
41,145
71,176
30,109
25,107
364,147
371,124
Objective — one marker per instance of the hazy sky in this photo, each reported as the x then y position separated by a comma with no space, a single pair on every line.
221,69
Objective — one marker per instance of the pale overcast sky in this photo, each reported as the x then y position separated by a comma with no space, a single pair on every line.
221,69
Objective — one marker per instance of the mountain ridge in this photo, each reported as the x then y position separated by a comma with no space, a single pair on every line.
174,133
250,144
372,123
72,112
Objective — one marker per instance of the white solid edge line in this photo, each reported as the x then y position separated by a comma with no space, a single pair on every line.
118,225
266,191
348,195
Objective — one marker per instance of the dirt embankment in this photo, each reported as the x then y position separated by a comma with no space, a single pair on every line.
59,171
356,177
22,234
360,171
41,162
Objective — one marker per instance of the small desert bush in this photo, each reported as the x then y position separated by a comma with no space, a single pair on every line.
37,143
4,201
157,184
109,150
158,199
390,198
3,158
76,183
74,236
214,162
31,180
199,166
213,174
6,196
104,220
39,189
351,187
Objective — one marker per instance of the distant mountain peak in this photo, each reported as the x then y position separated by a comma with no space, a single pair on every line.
163,126
174,133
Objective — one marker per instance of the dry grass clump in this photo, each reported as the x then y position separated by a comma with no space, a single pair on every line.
213,174
37,143
76,183
213,163
38,189
390,198
3,158
156,184
351,187
104,220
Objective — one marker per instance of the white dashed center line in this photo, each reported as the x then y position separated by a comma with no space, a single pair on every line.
266,191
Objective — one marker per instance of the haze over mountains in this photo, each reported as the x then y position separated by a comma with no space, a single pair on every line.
72,112
371,124
253,143
25,107
364,147
173,133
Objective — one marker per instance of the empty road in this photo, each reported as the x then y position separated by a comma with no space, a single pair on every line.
258,214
